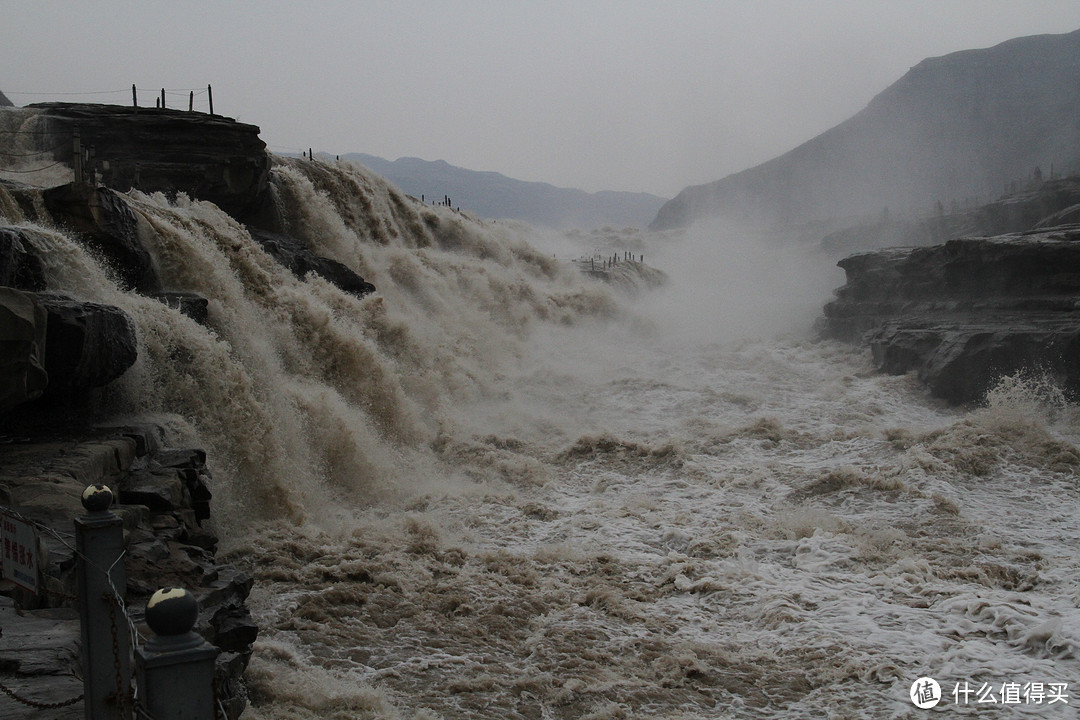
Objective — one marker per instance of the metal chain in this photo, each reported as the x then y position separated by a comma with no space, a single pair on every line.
116,655
38,705
217,700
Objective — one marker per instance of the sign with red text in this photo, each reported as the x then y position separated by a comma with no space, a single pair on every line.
19,552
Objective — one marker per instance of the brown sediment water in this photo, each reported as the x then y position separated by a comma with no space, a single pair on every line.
497,489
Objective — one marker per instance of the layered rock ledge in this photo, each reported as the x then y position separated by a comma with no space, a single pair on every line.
210,157
968,312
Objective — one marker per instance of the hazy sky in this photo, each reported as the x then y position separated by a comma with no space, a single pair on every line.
629,95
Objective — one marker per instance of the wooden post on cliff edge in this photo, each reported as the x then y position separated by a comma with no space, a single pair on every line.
191,101
162,98
77,159
210,96
134,97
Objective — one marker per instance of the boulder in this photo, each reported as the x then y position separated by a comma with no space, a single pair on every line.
20,267
103,219
300,260
158,491
87,344
193,305
23,375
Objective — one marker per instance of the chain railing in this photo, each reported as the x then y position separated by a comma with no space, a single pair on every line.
39,705
158,679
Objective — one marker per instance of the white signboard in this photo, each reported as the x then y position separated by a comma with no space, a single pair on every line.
19,552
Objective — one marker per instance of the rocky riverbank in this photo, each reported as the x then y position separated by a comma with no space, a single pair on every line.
968,312
59,355
164,501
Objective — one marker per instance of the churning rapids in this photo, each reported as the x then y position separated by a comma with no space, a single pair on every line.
499,489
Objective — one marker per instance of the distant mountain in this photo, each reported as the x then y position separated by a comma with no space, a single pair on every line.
966,124
492,195
4,102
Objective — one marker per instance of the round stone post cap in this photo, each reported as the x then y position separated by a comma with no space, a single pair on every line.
172,611
97,497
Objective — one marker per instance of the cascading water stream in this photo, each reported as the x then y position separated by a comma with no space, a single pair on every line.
497,489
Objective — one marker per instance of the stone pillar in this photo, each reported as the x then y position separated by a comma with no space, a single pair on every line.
99,542
175,668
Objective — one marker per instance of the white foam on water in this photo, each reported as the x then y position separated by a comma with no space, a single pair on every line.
496,489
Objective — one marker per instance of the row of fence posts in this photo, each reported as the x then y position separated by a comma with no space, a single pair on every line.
310,155
612,261
174,671
160,102
445,202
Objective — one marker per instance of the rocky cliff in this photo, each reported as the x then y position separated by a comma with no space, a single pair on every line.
206,157
159,150
966,124
968,312
59,354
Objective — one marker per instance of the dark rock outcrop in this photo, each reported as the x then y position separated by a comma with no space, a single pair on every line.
104,221
22,348
961,361
87,345
300,260
59,348
209,157
968,312
193,305
19,266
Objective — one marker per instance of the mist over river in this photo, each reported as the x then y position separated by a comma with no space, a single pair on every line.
499,489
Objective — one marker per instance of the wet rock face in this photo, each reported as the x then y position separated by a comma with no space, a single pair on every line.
968,312
59,347
19,266
960,362
300,260
107,224
209,157
87,345
22,348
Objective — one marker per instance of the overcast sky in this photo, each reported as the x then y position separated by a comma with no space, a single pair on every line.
644,96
